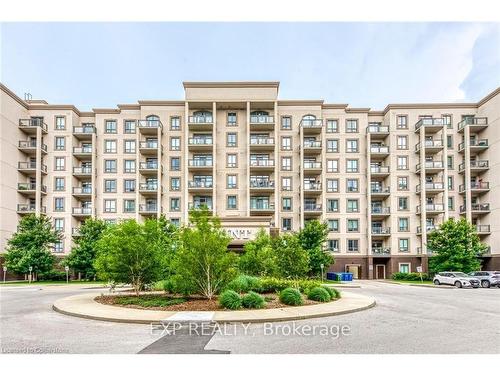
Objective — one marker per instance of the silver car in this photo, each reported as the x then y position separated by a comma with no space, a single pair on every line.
458,279
487,278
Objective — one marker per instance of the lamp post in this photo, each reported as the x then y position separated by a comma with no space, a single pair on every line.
31,269
322,266
4,273
67,273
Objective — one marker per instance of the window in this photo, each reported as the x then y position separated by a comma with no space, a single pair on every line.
110,127
402,122
286,143
286,183
332,126
450,162
60,143
352,225
129,146
175,164
110,186
451,203
110,205
59,225
110,146
352,145
110,166
129,166
175,222
403,183
129,186
231,202
231,140
447,121
286,204
128,205
58,247
352,205
403,245
60,123
332,245
332,165
286,224
175,184
352,166
403,224
402,162
332,205
402,142
286,123
450,183
286,163
59,204
175,123
352,185
351,126
231,160
449,141
402,203
352,245
404,267
129,127
231,181
333,225
231,119
59,184
332,145
175,144
332,185
175,204
60,163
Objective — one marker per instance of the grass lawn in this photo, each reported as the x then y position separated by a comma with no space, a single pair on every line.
413,282
148,301
330,282
34,283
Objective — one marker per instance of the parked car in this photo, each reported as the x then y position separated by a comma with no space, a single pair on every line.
487,278
459,279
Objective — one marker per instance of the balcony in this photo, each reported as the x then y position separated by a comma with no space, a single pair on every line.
30,168
477,209
475,146
260,143
312,209
82,153
84,132
82,211
312,167
379,151
261,122
262,164
200,164
430,125
30,125
380,191
30,147
381,231
84,172
379,211
476,188
311,126
196,205
432,209
431,188
82,192
381,251
148,209
200,186
29,188
148,168
200,122
25,209
378,131
431,146
312,147
262,185
149,147
475,124
312,188
261,207
148,189
476,166
431,167
483,230
428,228
379,171
200,143
75,232
149,126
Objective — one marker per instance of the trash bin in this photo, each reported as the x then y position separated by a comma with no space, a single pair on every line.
348,276
331,276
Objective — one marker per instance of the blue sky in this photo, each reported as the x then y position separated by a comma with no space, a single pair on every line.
95,65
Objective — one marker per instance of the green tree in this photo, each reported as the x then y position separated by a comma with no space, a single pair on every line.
29,246
129,252
203,264
82,256
455,246
312,238
292,259
259,258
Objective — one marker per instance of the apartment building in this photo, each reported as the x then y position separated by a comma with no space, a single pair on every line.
380,179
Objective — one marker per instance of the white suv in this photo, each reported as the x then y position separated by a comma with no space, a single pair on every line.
459,279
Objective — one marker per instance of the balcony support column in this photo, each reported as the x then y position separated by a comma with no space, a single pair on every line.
38,173
423,197
445,172
467,174
214,158
184,166
93,176
277,223
369,207
158,174
301,174
248,158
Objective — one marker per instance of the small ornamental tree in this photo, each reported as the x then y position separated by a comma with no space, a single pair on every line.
203,264
455,246
30,245
312,238
259,258
292,259
82,256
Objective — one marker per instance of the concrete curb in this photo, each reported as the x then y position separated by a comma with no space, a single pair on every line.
346,286
432,286
84,306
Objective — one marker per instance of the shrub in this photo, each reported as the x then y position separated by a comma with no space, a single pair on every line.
412,276
244,283
253,300
52,275
319,294
274,284
306,285
229,299
334,293
291,296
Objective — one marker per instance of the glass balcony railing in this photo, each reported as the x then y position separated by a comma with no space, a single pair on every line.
149,124
148,165
312,144
312,186
378,210
32,123
261,119
431,122
376,129
148,208
378,149
380,189
381,230
431,207
431,186
198,205
261,141
261,162
150,145
264,184
82,190
201,184
148,187
261,205
82,211
83,129
379,169
201,141
29,208
311,123
381,250
483,228
480,185
312,207
82,170
82,150
479,207
200,162
312,165
200,119
472,121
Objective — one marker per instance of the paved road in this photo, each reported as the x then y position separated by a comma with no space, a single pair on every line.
406,320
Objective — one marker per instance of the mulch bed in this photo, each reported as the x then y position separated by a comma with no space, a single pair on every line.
194,303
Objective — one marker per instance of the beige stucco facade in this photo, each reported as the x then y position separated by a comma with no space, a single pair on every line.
382,179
